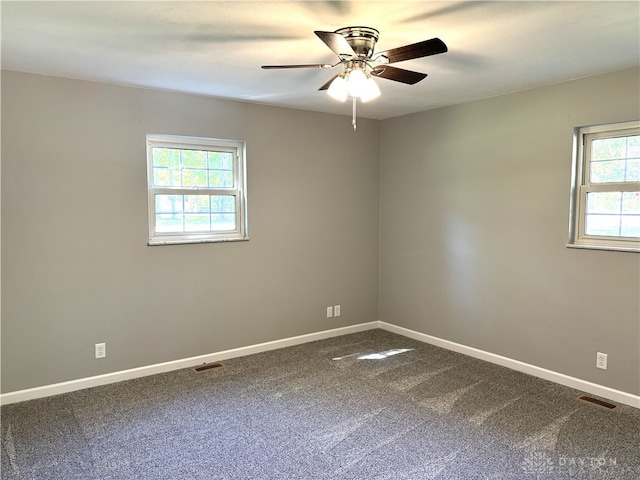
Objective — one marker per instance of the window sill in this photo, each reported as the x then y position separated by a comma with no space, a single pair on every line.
610,248
156,243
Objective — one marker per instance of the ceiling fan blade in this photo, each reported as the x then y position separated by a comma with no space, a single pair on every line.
307,65
336,42
326,85
425,48
398,74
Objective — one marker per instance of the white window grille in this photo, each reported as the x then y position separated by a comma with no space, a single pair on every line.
197,190
605,200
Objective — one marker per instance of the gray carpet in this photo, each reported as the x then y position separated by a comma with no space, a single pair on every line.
352,407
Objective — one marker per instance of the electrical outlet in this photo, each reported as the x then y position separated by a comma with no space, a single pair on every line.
336,311
329,312
101,350
601,360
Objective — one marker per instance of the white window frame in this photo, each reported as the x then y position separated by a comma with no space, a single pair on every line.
581,186
239,189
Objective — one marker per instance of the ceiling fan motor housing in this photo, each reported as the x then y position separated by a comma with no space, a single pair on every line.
361,39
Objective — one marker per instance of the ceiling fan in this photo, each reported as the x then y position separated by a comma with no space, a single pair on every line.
355,47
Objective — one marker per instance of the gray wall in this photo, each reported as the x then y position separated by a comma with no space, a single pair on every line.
473,224
76,269
474,221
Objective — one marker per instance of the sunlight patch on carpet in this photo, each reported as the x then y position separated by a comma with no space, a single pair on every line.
375,356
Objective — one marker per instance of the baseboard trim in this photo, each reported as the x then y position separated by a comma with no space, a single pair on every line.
566,380
73,385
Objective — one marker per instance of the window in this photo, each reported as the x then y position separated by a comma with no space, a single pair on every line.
197,190
605,199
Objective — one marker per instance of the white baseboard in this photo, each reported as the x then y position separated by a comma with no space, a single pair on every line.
566,380
73,385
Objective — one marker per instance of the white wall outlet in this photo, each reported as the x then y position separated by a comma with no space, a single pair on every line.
601,360
329,312
336,310
101,350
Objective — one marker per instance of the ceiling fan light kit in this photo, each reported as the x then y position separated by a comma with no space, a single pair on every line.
339,88
355,47
356,83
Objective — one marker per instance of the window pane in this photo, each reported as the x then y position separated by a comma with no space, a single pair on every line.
221,169
192,168
608,171
633,171
630,226
603,213
195,213
166,157
161,176
608,225
197,222
223,204
631,203
220,160
223,212
223,221
613,214
169,204
169,223
169,213
221,178
166,177
604,202
194,159
166,167
615,160
609,148
196,203
194,177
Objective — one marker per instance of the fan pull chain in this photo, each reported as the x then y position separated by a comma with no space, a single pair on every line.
353,119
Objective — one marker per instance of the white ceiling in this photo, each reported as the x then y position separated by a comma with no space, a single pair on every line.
216,48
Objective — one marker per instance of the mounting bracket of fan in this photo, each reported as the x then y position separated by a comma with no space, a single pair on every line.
362,40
